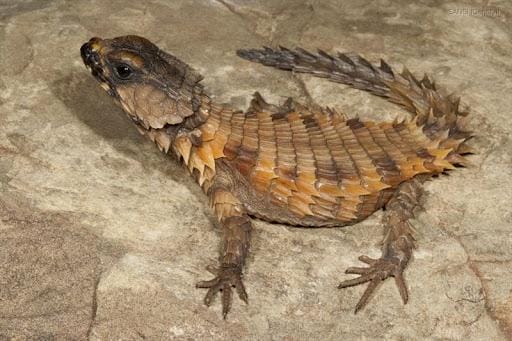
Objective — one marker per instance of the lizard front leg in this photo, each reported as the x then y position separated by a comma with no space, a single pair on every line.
397,245
236,226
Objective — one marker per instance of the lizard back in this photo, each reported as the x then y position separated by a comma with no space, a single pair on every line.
318,166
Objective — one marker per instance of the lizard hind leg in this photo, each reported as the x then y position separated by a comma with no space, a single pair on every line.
397,245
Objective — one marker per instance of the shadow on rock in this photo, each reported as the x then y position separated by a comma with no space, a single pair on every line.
91,105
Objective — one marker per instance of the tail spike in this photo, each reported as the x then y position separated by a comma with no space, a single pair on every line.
426,82
431,118
464,148
345,58
325,54
306,54
365,63
386,68
410,77
457,159
456,103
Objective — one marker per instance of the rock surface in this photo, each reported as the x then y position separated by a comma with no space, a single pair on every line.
103,237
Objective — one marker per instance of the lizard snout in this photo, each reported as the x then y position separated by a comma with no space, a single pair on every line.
89,51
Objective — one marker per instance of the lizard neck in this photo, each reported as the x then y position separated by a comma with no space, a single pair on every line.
198,141
201,142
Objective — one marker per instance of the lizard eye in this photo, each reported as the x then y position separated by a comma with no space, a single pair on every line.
123,71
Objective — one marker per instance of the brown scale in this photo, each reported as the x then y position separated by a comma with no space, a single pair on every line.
286,169
350,175
306,166
370,178
234,139
392,175
377,156
263,174
407,132
358,187
248,152
383,162
407,165
340,155
325,172
220,136
342,162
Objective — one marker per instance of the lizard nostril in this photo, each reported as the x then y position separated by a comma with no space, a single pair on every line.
89,51
85,52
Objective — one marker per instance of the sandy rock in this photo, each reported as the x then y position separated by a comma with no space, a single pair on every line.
103,237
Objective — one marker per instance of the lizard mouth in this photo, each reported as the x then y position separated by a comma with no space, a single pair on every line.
90,53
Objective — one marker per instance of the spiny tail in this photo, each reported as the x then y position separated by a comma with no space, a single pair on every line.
438,115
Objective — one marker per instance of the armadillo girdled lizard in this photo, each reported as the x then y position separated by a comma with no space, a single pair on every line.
290,163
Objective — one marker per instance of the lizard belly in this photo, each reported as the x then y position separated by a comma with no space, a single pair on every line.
282,201
307,206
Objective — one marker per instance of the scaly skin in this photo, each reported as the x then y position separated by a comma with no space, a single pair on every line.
290,164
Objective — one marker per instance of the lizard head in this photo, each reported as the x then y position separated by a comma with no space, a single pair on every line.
153,87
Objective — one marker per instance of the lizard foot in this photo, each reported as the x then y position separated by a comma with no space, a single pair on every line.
378,271
227,277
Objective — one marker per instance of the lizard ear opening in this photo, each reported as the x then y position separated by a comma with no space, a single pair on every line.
179,67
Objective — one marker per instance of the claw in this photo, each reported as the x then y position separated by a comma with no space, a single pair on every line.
367,260
377,271
207,284
213,286
366,295
356,270
212,269
226,300
402,288
209,296
240,288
